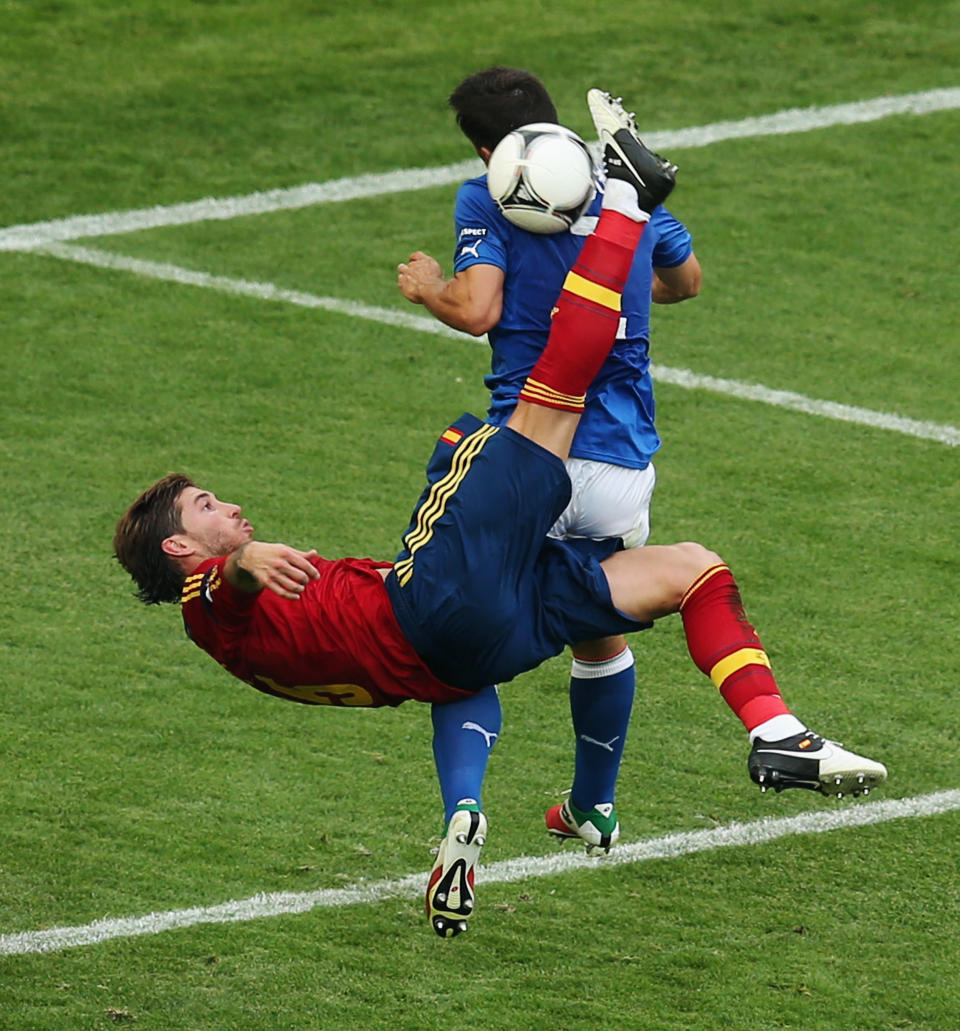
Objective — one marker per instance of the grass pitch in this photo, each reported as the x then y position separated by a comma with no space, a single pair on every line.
138,778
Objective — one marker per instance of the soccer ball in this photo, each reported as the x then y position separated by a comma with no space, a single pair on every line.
541,177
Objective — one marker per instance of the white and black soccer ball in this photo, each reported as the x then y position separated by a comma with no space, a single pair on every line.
541,177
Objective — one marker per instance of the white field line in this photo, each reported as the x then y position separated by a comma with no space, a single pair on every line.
246,288
938,432
794,120
671,846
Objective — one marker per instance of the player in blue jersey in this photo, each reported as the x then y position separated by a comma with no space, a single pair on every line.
505,282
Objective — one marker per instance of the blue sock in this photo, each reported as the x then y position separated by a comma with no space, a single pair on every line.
601,699
464,732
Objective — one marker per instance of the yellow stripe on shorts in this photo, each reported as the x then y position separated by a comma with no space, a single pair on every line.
440,493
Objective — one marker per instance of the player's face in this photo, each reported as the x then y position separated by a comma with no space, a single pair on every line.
215,527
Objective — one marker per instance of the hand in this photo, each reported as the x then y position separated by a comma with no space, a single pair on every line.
281,569
417,273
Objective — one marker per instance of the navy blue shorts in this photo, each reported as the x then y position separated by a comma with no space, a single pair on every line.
479,590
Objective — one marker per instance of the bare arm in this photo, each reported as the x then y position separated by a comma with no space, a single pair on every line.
471,301
680,283
282,569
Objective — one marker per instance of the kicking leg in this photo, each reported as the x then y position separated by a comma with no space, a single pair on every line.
587,314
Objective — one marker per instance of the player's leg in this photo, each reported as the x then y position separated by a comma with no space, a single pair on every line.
610,501
784,752
602,686
464,733
587,314
647,583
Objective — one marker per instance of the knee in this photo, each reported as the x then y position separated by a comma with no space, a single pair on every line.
650,582
692,560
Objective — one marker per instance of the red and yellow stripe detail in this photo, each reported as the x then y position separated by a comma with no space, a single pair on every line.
736,661
580,286
706,575
193,584
452,436
540,394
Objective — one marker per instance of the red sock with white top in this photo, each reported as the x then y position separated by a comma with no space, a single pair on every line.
725,646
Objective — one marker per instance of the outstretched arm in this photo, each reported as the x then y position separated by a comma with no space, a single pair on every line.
471,301
281,569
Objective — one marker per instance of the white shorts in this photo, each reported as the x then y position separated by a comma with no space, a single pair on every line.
608,501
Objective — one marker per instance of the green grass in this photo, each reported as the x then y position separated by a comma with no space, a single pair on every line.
138,777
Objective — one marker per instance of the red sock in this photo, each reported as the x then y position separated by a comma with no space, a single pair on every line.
586,317
725,646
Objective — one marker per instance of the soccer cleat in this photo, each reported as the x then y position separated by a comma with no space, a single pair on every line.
450,892
597,828
624,154
809,761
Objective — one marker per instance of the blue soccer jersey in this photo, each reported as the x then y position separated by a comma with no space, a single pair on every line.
618,422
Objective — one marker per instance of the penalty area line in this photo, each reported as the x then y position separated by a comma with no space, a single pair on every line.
670,846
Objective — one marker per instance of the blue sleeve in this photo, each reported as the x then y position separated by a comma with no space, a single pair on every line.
481,229
674,242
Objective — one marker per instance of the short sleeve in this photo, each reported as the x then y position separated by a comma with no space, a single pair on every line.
481,229
674,242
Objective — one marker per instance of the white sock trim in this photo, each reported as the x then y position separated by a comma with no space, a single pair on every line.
587,669
622,197
777,728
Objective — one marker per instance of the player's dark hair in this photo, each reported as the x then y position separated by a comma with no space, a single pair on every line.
147,523
491,103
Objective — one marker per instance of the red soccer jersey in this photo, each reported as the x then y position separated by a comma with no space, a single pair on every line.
338,644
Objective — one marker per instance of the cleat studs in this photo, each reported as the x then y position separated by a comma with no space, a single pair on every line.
866,791
839,794
461,839
481,841
838,780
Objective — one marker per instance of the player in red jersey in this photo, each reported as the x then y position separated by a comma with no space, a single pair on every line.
479,593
